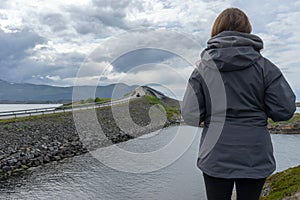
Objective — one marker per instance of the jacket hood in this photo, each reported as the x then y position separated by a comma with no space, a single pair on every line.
232,50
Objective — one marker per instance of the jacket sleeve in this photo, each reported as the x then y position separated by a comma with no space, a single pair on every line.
279,98
193,106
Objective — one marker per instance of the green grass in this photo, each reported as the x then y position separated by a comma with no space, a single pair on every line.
169,110
29,118
283,184
102,100
153,100
25,126
20,129
86,101
295,118
7,127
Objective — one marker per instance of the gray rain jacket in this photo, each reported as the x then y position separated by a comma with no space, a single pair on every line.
255,90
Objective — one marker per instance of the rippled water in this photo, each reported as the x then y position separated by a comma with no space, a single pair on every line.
83,177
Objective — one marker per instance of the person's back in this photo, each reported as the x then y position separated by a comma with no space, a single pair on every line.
255,90
247,76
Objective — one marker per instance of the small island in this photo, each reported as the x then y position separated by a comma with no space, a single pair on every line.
291,126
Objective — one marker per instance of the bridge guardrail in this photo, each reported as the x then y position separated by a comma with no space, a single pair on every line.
51,110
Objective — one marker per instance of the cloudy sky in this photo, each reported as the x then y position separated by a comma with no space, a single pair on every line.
60,42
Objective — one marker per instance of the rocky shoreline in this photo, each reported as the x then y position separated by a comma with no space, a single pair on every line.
286,127
291,128
34,141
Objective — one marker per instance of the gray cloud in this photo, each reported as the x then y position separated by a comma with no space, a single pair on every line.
67,32
39,71
55,21
14,47
100,17
111,12
140,57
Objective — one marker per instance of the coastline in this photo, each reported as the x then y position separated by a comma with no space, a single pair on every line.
33,141
285,128
291,126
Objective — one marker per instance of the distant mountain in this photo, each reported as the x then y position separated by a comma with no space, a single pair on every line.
16,92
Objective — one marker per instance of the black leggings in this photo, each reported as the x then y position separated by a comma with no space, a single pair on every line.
221,189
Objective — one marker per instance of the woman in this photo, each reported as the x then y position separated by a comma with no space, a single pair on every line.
255,91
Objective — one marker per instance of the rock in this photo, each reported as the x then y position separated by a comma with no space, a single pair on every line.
36,163
44,137
10,150
74,143
46,159
2,156
37,153
287,126
29,156
18,164
24,166
6,168
23,161
55,152
57,157
12,161
284,128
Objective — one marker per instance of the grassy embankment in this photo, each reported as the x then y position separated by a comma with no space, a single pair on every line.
31,118
291,126
283,184
171,111
294,119
55,115
97,100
